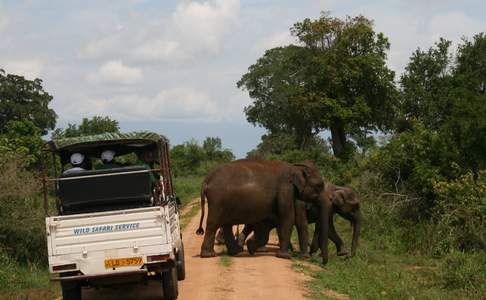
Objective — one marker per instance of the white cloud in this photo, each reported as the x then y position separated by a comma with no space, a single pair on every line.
454,25
116,72
175,104
278,39
194,29
30,69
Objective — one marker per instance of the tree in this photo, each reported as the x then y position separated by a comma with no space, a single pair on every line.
21,139
335,79
95,125
22,99
447,93
211,146
426,86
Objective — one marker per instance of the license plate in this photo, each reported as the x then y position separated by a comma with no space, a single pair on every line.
123,262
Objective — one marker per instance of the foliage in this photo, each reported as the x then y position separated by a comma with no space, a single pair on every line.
190,158
23,138
336,79
277,144
95,125
448,95
21,215
22,99
461,213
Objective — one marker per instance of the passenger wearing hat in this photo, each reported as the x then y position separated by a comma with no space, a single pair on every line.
107,157
76,160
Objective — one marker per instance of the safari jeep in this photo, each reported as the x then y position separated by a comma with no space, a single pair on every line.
114,224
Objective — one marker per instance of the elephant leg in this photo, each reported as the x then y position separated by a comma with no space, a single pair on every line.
207,247
247,230
334,237
286,219
230,241
302,225
315,239
260,237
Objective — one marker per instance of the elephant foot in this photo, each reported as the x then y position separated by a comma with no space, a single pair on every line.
252,247
282,254
342,252
205,253
305,255
241,240
234,250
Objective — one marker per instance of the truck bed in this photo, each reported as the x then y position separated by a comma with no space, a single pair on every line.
90,240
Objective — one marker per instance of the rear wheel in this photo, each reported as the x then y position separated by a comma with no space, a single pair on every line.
169,284
181,264
71,290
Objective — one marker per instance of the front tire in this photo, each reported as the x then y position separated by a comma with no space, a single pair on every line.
169,284
181,264
71,290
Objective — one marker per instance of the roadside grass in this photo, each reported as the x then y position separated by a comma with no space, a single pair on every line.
225,260
188,187
378,273
25,282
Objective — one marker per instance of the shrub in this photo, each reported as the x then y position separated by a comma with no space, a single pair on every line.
21,215
461,214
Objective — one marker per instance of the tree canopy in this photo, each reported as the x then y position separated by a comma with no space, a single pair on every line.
95,125
22,99
336,79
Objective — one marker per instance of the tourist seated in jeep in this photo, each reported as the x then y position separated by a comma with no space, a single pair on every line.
107,159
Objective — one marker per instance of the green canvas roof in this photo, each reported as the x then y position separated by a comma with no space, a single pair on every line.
145,137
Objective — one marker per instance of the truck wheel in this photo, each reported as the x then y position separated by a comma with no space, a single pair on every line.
71,290
181,264
169,283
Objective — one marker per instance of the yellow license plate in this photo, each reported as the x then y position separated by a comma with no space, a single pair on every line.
123,262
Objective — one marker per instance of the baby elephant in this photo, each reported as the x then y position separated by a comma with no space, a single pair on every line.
342,200
345,203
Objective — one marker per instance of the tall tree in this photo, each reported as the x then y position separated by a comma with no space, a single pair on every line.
95,125
22,99
336,79
426,86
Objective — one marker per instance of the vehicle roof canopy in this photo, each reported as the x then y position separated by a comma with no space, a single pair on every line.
121,143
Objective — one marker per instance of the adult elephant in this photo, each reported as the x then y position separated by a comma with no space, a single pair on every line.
252,191
340,200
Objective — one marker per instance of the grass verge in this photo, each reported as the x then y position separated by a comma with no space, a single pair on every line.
378,273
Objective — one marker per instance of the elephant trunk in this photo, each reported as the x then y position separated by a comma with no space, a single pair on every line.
356,228
324,231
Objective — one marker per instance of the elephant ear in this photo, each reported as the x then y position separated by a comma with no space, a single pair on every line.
338,198
299,176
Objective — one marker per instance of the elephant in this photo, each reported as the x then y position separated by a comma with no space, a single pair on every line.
251,191
345,203
341,200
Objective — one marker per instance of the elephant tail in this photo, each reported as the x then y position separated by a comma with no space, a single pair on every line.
200,230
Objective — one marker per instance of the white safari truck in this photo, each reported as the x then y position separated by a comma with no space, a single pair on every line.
117,221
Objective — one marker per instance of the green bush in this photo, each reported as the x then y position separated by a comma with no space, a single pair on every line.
22,229
461,213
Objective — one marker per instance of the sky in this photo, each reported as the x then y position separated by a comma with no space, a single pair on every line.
172,66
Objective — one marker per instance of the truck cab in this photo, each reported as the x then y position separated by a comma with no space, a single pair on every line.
113,223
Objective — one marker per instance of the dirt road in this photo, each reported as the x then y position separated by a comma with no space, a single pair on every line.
262,276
